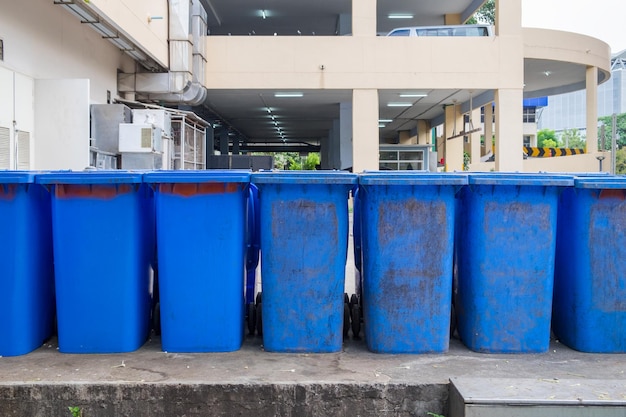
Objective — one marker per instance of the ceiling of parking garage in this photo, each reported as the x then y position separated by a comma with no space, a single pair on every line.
320,17
306,119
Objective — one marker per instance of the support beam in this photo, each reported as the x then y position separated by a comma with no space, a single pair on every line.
364,18
509,130
453,147
592,109
365,130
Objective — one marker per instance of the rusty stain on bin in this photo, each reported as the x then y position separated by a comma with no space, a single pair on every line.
190,189
8,191
608,193
102,191
607,224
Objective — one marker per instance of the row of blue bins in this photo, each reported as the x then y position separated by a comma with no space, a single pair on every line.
508,257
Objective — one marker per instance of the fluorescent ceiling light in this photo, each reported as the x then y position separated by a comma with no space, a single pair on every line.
381,125
399,104
400,16
413,95
288,94
263,14
385,120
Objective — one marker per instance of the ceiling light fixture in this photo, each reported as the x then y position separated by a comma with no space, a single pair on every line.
400,16
294,94
399,104
263,14
381,125
404,95
385,120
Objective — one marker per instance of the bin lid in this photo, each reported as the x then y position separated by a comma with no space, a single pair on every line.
172,177
90,177
17,177
611,182
411,178
303,177
505,178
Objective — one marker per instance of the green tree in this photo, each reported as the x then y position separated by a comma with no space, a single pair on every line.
570,138
312,161
546,138
620,161
486,14
607,121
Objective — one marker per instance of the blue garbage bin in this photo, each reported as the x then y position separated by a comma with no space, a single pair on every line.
304,239
201,241
505,261
103,250
589,311
407,226
26,265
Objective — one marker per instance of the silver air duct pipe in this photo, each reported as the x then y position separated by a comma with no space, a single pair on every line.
184,84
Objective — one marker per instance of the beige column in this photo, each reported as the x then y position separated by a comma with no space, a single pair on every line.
509,130
592,109
423,132
475,137
365,130
488,127
453,147
363,17
452,19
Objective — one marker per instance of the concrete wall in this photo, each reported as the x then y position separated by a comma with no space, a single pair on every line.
44,42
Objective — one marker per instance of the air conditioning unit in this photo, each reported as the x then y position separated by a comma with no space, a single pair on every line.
141,138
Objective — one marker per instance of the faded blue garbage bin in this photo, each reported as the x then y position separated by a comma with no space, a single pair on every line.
103,234
505,261
589,311
304,239
201,241
26,265
407,228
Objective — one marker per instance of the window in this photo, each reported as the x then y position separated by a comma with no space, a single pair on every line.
403,158
400,32
527,139
530,114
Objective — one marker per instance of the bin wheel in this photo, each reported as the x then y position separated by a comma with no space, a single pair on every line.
346,318
156,318
251,318
259,298
356,321
452,320
354,299
259,318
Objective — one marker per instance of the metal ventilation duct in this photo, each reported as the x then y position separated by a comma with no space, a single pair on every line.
184,83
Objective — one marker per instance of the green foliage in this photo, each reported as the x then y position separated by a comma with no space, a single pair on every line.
549,143
466,161
620,161
76,411
293,161
546,138
608,131
434,414
571,139
486,14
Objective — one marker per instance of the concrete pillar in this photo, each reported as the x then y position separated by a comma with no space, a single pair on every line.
365,130
364,17
224,142
488,127
452,19
423,132
325,152
345,135
404,137
592,109
475,137
453,153
335,145
236,146
210,142
509,129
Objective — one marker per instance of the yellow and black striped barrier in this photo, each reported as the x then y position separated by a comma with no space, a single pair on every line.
550,152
